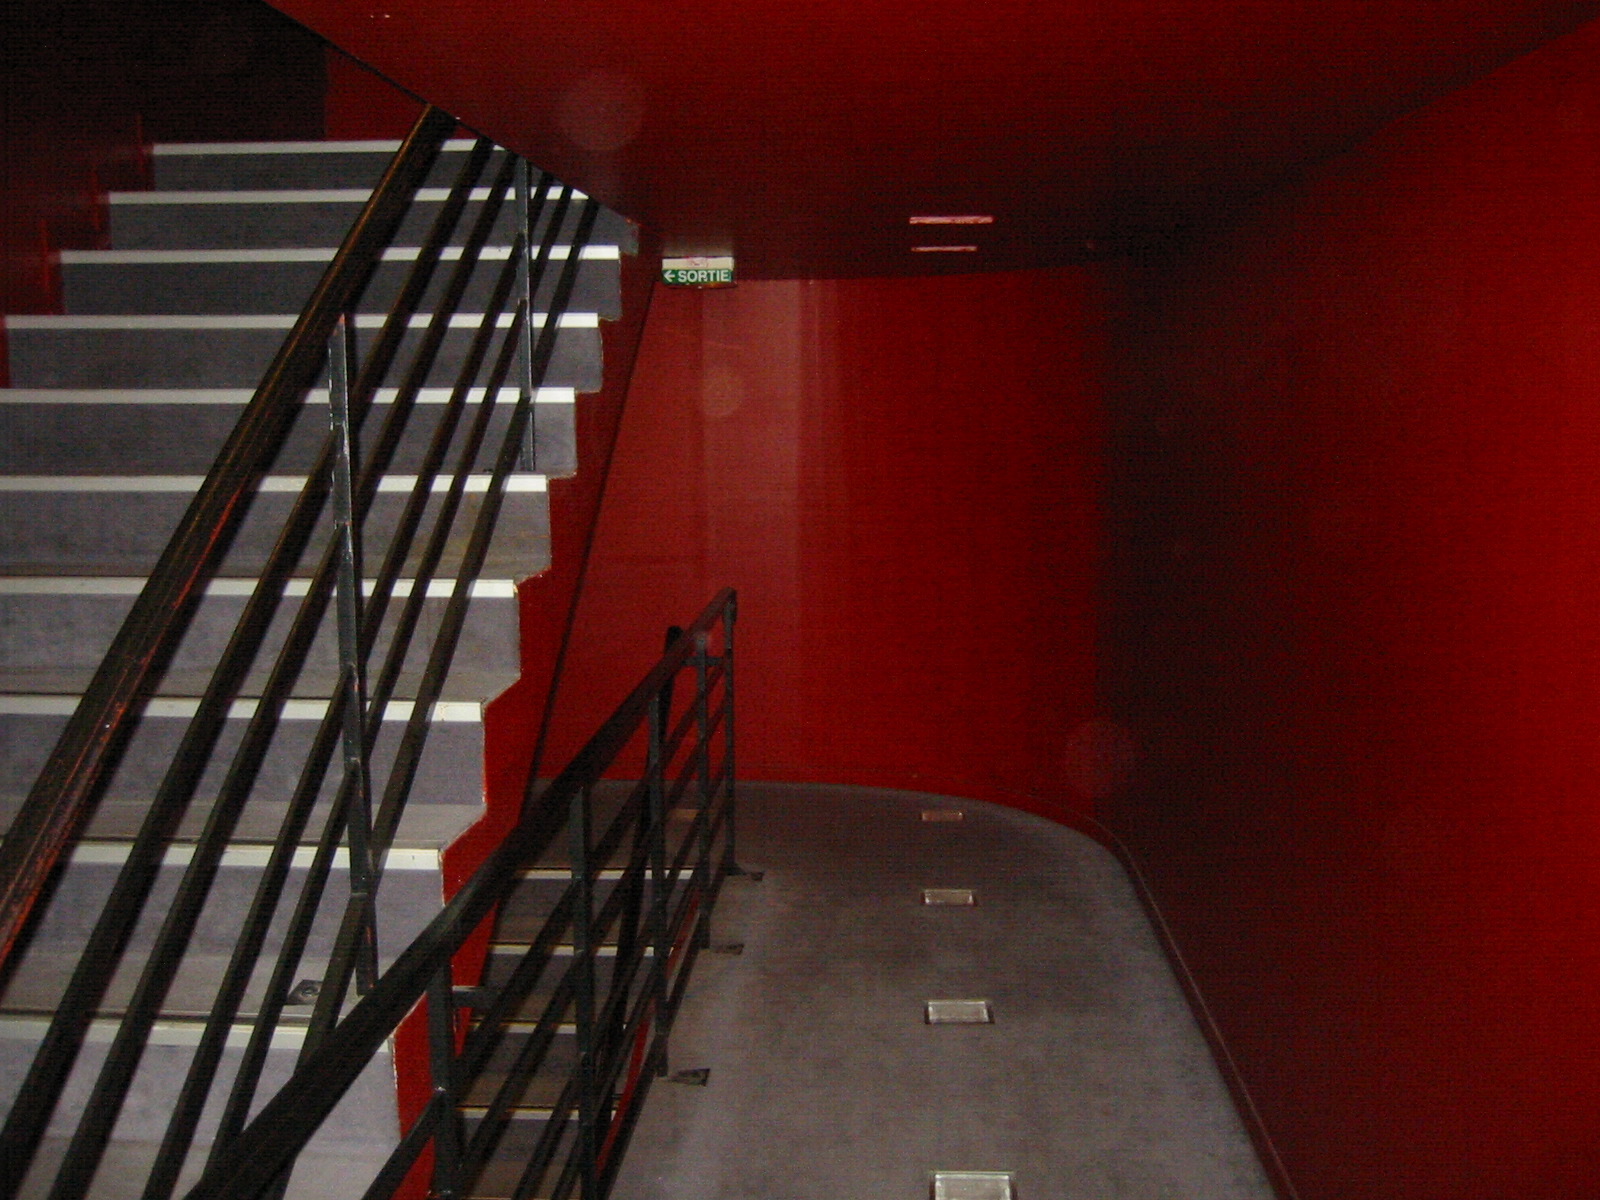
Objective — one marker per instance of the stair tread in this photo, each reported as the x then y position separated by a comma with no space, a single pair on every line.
422,826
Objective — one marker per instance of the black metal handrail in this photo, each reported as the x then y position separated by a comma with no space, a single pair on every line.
508,344
626,1033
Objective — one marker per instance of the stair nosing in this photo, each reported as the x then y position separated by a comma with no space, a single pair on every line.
477,482
427,395
347,146
133,585
597,252
95,322
355,195
29,1024
62,704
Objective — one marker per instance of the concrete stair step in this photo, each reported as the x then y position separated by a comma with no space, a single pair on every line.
233,350
282,280
341,1160
450,771
409,895
179,431
224,166
64,625
330,1166
499,1177
46,529
290,216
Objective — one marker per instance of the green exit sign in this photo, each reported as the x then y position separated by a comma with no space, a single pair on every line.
697,272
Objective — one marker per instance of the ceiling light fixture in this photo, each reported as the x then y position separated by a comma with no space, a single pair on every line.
944,249
969,220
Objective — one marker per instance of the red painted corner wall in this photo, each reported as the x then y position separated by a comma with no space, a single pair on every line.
901,479
1356,500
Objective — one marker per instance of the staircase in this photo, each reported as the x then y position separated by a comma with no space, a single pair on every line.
117,409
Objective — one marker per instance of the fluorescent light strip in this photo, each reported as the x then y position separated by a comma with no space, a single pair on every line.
458,712
969,220
571,320
271,483
545,395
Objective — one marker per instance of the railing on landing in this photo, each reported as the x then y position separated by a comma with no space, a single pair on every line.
657,901
657,912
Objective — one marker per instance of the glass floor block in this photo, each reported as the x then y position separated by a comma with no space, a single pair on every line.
958,1012
972,1185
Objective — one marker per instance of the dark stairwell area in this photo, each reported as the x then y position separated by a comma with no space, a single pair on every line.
1220,529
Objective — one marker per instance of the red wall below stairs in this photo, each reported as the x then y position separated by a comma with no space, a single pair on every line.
900,477
1357,507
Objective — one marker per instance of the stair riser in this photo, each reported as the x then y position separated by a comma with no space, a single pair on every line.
450,772
407,900
215,358
58,533
284,287
213,226
183,439
351,1145
66,634
328,1167
253,170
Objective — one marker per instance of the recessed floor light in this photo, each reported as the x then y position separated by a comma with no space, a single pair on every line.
942,815
972,1185
948,897
974,219
958,1012
944,249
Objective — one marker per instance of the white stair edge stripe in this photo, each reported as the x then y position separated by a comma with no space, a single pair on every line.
106,321
560,950
366,146
597,252
523,483
102,853
132,585
431,395
459,712
562,874
165,1032
425,195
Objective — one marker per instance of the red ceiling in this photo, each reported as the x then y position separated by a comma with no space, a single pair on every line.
802,134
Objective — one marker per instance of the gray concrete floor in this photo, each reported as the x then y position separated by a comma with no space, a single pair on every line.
825,1081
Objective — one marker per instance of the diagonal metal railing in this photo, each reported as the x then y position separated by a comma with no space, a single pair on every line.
390,661
655,917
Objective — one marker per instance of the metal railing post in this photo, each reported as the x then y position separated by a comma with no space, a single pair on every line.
525,289
730,862
655,812
588,1144
702,719
442,1067
352,671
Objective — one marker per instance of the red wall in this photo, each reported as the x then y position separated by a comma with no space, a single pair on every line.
900,478
1356,502
84,81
